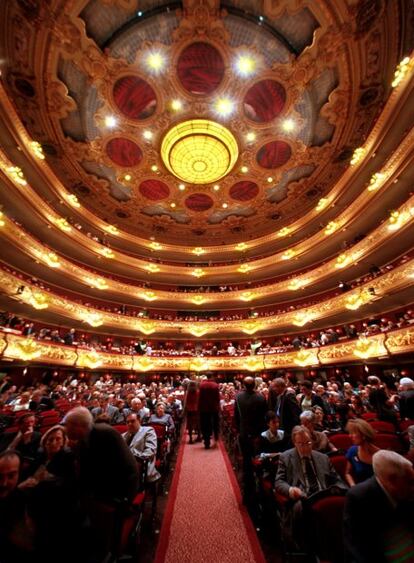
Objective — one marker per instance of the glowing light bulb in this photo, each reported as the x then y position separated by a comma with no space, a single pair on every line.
176,105
244,169
154,167
181,187
155,61
250,136
288,125
110,121
148,134
224,106
245,65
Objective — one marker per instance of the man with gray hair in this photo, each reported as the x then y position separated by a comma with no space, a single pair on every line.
406,398
107,469
320,441
378,517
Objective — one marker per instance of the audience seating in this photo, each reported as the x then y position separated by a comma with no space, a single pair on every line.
341,441
326,522
383,426
389,442
339,462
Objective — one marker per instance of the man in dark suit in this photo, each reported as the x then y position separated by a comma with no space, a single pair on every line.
406,398
209,408
249,415
284,403
378,517
108,476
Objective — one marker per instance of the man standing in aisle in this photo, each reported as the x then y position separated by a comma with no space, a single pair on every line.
249,416
209,408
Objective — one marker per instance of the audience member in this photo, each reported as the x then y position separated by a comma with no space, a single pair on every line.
378,519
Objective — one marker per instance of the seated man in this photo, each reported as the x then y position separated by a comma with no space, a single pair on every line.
320,441
26,441
303,472
142,442
378,517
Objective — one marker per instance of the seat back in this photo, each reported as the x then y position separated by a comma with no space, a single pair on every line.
383,426
389,442
339,462
341,441
326,521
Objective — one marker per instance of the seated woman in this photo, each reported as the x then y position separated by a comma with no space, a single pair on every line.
53,459
319,422
359,456
272,440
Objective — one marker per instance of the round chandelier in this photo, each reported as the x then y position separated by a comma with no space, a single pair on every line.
199,151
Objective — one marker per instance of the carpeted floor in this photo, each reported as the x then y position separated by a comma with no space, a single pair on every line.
204,519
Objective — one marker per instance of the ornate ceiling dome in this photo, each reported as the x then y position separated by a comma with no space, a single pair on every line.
274,84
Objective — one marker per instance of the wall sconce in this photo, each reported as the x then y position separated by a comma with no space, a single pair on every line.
241,247
198,331
107,252
357,156
331,227
288,254
93,319
306,358
198,251
111,229
297,283
198,272
37,150
401,71
51,259
63,225
73,200
244,269
152,268
284,232
28,349
300,319
375,181
197,300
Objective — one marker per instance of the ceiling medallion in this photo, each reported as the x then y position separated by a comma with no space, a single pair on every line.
199,151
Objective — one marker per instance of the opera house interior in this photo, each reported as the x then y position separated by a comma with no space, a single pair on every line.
207,281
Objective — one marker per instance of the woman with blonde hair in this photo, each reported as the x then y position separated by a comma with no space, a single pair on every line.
359,456
53,459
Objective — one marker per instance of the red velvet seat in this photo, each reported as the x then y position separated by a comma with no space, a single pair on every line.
369,416
405,424
339,462
389,442
341,441
383,426
326,520
121,428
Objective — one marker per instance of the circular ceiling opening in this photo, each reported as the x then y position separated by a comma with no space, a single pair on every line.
274,154
124,152
134,97
264,101
199,151
199,202
200,68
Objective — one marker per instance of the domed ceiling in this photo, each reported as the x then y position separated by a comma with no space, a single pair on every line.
198,122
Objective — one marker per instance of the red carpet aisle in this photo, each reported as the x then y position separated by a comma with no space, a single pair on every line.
205,520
